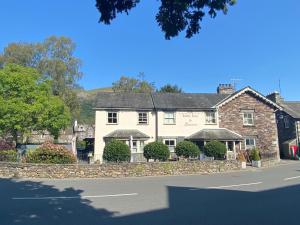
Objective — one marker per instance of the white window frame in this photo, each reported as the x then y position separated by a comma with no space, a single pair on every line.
246,119
210,118
167,118
144,120
112,117
250,146
171,147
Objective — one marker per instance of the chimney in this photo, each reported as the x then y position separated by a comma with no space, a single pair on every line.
225,89
275,97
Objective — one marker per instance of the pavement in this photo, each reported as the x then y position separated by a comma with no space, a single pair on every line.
257,196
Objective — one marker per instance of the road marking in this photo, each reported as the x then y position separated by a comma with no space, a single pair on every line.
291,178
73,197
235,185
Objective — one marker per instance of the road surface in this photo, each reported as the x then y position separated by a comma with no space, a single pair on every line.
257,197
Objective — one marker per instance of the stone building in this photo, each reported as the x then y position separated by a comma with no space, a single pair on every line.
288,124
242,120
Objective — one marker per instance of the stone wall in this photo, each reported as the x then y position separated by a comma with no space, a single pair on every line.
264,130
19,170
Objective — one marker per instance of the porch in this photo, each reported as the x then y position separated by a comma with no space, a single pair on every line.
135,139
232,140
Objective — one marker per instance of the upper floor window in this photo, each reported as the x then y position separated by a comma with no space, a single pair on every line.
171,143
210,118
250,143
143,118
112,117
169,118
248,118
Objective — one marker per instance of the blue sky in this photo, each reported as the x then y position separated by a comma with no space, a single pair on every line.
257,42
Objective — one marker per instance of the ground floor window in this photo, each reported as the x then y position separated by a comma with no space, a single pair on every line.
171,143
250,143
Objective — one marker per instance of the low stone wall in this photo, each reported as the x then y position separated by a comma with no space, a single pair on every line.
19,170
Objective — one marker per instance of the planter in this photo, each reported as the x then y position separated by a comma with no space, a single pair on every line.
244,165
256,164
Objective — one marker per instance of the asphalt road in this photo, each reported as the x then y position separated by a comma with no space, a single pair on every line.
256,197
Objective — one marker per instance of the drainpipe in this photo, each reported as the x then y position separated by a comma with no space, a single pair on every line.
297,133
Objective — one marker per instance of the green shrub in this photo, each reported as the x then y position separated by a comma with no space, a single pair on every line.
255,155
157,151
8,155
187,149
215,149
116,151
50,154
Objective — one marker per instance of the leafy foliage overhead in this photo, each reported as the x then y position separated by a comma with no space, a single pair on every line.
174,16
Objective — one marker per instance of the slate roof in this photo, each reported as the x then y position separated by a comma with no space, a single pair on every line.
157,100
220,134
186,101
124,100
136,134
292,108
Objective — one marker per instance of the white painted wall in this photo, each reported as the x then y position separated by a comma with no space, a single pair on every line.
127,120
187,123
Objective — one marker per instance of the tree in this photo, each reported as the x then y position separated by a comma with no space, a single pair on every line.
54,59
27,103
130,84
168,88
173,16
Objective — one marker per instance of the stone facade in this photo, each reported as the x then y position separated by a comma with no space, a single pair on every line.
19,170
264,129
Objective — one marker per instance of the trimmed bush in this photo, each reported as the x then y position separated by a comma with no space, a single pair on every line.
157,151
8,155
116,151
255,155
187,149
215,149
49,153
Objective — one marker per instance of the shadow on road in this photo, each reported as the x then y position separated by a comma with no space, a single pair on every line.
186,206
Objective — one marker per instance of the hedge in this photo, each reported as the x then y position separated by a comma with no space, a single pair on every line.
116,151
215,149
157,151
187,149
49,153
8,155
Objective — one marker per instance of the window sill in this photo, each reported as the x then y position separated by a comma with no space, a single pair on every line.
112,124
245,125
210,123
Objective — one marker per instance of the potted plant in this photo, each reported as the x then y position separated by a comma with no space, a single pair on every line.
255,158
241,158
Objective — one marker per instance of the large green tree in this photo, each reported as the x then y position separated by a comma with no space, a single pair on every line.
54,59
27,103
174,16
131,84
